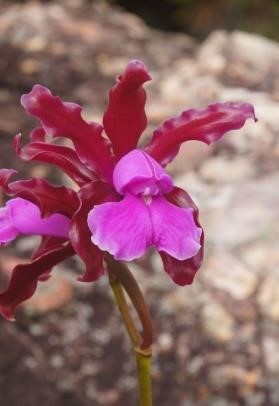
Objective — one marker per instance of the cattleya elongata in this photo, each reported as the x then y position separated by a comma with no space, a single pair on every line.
125,202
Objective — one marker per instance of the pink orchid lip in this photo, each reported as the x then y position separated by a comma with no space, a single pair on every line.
138,173
20,216
144,218
7,230
138,226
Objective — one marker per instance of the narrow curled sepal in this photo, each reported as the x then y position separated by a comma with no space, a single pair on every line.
50,199
80,235
47,244
63,119
25,278
125,119
63,157
206,125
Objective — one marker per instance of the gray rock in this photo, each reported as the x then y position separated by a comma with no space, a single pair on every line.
247,212
217,322
226,272
268,297
221,170
271,353
241,58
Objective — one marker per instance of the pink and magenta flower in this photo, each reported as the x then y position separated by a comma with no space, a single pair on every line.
125,202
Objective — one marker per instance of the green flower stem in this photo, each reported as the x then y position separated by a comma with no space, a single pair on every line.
121,272
123,306
144,377
120,277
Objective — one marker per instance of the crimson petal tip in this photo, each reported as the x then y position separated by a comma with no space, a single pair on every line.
136,72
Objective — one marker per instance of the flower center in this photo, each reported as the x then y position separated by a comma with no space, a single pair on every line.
139,174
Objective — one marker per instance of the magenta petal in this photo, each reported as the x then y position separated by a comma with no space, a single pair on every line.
138,173
125,119
174,229
207,125
126,229
61,119
123,229
26,218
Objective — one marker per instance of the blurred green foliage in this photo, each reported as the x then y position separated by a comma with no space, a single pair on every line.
199,17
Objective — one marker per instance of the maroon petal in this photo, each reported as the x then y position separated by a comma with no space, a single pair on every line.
61,119
183,272
5,175
63,157
50,199
25,278
80,235
47,243
125,119
207,125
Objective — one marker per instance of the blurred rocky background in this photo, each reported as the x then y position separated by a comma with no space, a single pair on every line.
217,341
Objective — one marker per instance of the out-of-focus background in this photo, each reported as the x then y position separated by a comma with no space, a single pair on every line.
217,342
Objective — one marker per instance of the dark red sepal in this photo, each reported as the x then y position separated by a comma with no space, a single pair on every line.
63,157
62,119
183,272
47,243
5,175
207,125
25,278
124,119
80,235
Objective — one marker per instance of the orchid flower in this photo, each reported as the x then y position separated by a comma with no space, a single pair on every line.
126,201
